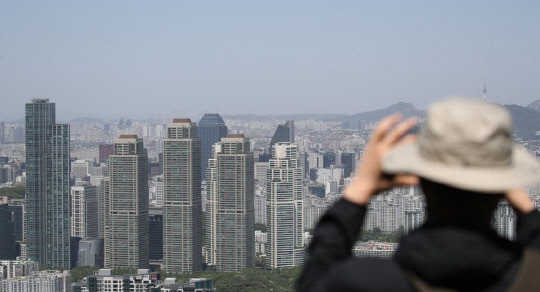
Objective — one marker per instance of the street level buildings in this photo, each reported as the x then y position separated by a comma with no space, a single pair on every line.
47,186
42,281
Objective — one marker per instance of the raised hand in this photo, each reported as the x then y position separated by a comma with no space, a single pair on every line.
369,178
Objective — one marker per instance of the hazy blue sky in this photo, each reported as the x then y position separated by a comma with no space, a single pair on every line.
180,58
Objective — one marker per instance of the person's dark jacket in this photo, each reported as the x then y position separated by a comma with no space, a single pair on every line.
440,256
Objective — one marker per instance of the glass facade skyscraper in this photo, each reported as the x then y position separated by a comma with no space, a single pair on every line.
155,234
47,186
283,133
210,129
7,230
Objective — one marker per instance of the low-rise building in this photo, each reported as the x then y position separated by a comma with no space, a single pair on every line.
195,284
373,249
143,281
42,281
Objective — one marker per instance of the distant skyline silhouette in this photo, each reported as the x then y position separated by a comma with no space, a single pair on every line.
166,59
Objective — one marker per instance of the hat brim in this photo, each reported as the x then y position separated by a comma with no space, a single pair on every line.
407,160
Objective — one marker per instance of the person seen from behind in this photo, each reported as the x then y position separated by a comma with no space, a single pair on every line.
465,162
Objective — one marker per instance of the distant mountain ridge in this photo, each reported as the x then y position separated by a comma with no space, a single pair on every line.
526,121
535,105
405,109
296,117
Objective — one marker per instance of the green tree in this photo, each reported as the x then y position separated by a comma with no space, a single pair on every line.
16,192
260,262
254,279
261,227
78,273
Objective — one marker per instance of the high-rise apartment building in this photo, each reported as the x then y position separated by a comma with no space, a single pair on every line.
126,205
284,207
210,129
230,214
182,210
47,186
260,204
84,211
260,172
315,160
504,220
103,195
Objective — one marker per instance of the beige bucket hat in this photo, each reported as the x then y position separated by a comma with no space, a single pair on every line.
466,144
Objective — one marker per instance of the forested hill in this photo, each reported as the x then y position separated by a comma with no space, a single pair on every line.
526,121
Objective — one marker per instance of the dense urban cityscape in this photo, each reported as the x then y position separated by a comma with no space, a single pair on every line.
95,205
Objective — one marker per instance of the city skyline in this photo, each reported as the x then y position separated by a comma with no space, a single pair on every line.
258,214
196,145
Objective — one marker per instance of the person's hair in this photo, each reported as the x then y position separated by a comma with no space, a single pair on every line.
447,205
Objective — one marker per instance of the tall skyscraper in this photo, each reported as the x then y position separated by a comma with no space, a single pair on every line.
284,133
47,186
103,207
126,205
7,231
84,211
210,129
230,210
17,207
155,234
182,210
2,130
348,161
284,207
